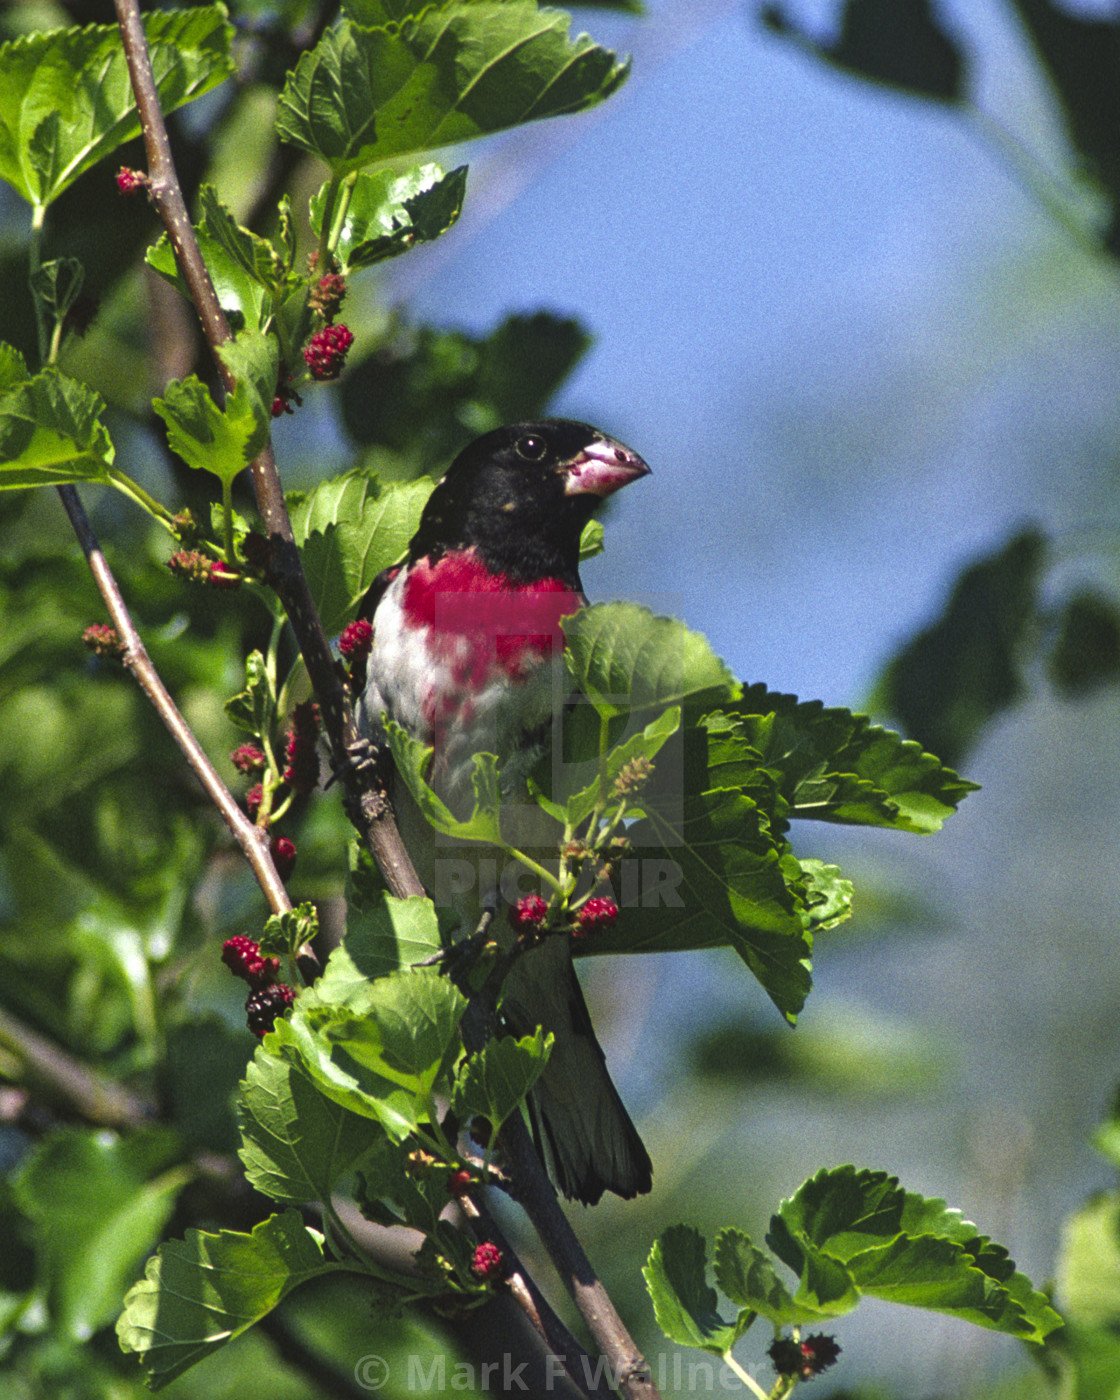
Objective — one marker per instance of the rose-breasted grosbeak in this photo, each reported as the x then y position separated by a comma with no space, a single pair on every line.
467,656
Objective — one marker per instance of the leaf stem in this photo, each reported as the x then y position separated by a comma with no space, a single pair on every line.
136,493
34,262
746,1377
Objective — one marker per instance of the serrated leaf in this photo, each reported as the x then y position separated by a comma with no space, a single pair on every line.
388,213
625,659
684,1303
384,935
709,873
224,440
254,708
201,1291
255,255
833,765
295,1143
51,432
413,759
644,745
495,1080
66,101
746,1276
905,1248
457,71
348,530
96,1204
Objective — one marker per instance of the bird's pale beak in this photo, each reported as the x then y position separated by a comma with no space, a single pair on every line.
602,468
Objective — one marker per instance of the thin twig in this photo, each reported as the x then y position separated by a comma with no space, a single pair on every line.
367,801
577,1361
252,839
533,1191
64,1080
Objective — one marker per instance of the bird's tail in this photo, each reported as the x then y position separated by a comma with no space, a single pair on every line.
580,1124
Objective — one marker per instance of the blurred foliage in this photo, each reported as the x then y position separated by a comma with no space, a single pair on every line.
116,879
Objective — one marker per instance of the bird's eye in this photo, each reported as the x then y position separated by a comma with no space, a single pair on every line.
530,447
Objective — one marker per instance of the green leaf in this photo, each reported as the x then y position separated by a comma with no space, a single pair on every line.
296,1143
747,1277
646,744
348,530
832,765
376,1048
389,213
66,101
13,367
892,1244
626,660
413,759
97,1205
385,934
254,255
494,1081
241,295
224,440
1088,1276
956,675
58,285
284,934
201,1291
709,873
51,432
254,708
392,1190
459,70
684,1303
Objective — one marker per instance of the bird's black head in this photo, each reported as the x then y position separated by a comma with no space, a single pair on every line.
520,496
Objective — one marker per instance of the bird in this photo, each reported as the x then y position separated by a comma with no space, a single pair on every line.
467,656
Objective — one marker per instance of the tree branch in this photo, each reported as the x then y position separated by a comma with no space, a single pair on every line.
534,1192
367,802
252,839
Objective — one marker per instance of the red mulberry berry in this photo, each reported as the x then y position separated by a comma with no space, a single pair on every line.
325,352
283,856
222,576
247,758
356,640
597,914
242,955
487,1263
459,1182
528,913
129,181
263,1007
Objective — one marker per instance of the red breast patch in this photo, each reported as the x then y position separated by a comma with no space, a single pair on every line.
512,627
